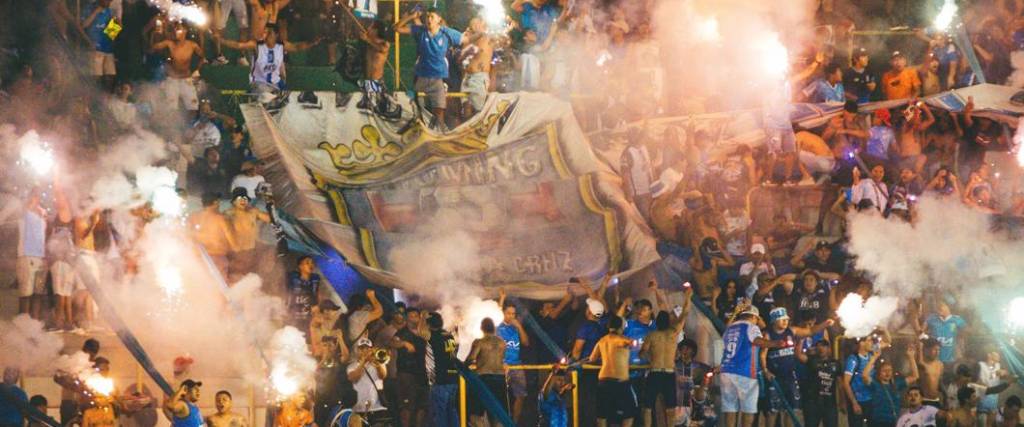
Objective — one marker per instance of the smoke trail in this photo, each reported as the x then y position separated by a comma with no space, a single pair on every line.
950,252
25,345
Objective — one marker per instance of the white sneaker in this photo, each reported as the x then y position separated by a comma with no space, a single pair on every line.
221,60
243,61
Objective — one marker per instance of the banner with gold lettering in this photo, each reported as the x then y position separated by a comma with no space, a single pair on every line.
515,195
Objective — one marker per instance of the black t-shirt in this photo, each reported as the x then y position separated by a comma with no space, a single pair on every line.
856,82
834,264
302,295
444,348
824,375
331,384
411,362
812,305
558,330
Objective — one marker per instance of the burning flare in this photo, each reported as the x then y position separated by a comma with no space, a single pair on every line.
861,317
100,385
945,16
36,154
1015,315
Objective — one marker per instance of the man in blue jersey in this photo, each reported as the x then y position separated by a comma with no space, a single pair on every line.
945,326
639,324
855,391
780,365
511,331
742,343
181,409
433,40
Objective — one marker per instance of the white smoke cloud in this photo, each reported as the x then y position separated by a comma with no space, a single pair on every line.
859,317
949,252
292,368
26,346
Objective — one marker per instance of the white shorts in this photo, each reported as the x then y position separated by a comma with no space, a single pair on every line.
63,275
181,90
103,64
86,265
239,9
739,393
475,87
31,275
816,163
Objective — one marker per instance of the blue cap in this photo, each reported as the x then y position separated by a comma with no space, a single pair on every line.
778,313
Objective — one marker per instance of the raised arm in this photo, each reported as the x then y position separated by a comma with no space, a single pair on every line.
403,27
806,332
376,311
300,46
246,45
869,369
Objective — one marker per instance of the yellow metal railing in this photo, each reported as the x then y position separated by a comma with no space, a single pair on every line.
463,422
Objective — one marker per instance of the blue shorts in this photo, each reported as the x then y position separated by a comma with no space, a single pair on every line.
787,393
989,403
739,393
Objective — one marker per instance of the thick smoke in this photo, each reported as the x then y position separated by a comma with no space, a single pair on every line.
26,346
950,250
859,317
444,267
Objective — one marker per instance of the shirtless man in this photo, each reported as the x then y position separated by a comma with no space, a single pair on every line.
178,87
213,232
488,354
377,48
615,396
476,58
224,417
245,226
931,372
913,128
660,349
265,12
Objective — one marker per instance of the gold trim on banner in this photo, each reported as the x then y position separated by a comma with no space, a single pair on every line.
586,184
369,248
556,152
340,208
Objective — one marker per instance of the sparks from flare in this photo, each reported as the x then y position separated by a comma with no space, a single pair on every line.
100,385
1015,314
945,16
37,156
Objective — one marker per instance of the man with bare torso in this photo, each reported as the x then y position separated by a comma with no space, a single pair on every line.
931,372
178,87
615,396
377,48
225,417
916,119
213,232
488,354
245,226
476,58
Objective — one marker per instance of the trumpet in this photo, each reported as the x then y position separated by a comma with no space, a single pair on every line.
381,355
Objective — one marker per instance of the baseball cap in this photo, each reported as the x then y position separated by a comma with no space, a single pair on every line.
189,383
778,313
897,53
751,310
364,342
595,307
757,248
859,52
883,115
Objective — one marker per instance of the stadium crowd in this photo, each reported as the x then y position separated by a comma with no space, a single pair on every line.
772,287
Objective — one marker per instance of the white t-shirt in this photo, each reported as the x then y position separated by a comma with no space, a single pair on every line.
366,388
878,193
249,183
989,374
204,134
922,417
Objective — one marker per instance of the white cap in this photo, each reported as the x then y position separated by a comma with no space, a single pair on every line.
364,342
757,248
595,307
